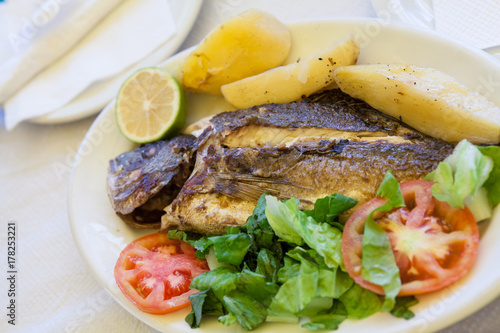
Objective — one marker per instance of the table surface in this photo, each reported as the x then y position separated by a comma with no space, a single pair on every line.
55,290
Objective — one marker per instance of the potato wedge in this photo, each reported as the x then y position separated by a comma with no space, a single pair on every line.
294,81
424,98
244,45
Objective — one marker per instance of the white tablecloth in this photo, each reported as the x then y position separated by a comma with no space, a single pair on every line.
55,291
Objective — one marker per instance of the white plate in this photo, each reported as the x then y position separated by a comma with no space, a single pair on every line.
100,235
98,95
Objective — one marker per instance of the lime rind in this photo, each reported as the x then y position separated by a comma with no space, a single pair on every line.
175,124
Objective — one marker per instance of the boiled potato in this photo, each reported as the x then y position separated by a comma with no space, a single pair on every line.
244,45
294,81
428,100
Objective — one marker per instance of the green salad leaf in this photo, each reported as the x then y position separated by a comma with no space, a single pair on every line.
267,265
295,226
309,292
244,296
283,219
328,209
203,303
328,320
290,269
181,235
231,248
492,184
261,236
378,262
460,178
360,303
402,307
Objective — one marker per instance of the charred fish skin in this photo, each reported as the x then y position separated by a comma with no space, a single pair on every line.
327,144
143,181
332,110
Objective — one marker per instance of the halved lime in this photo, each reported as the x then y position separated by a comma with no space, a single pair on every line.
150,105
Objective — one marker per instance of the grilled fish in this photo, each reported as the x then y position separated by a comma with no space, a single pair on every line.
326,144
143,181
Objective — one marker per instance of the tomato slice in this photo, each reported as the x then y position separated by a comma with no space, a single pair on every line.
154,273
434,245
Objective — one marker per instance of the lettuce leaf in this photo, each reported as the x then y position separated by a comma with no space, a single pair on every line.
261,236
248,311
245,296
282,217
328,320
460,178
268,265
328,209
290,269
378,264
294,226
203,303
492,184
324,295
309,292
295,294
231,248
360,303
402,307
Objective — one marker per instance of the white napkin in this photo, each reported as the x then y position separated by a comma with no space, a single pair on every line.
474,21
128,34
34,33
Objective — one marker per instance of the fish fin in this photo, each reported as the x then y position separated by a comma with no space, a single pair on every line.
250,187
